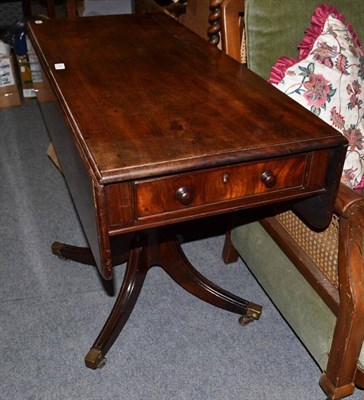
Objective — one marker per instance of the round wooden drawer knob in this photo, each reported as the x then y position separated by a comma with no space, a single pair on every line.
184,195
268,178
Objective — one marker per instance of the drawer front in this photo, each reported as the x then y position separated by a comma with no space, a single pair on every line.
217,185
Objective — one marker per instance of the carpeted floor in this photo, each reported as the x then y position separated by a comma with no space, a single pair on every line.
173,346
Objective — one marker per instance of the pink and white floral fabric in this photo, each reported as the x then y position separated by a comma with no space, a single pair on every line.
328,79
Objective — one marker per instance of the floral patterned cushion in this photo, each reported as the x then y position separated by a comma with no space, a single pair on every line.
327,78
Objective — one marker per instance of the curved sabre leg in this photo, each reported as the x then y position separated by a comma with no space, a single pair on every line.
184,274
135,273
79,254
119,249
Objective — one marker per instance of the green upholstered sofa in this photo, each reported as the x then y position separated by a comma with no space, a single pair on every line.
316,280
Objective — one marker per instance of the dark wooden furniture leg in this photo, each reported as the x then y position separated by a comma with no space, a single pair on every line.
159,248
229,253
135,273
175,263
120,248
82,255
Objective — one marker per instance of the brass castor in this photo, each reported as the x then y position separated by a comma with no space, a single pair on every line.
57,249
253,313
94,359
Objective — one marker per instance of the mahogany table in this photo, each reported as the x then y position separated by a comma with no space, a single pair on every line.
154,126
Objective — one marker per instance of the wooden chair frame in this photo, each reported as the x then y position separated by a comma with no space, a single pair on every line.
346,302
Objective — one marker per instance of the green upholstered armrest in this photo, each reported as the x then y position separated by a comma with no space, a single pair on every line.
275,28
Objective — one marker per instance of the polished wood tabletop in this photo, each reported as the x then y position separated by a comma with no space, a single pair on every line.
146,96
162,127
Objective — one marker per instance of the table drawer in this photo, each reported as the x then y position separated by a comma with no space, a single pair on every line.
196,189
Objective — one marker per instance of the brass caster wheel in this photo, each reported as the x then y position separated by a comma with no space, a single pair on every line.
94,359
56,249
253,313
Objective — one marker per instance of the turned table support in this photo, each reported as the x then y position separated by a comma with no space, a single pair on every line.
157,247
